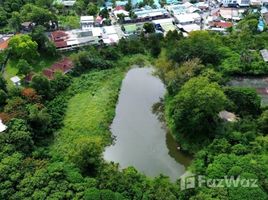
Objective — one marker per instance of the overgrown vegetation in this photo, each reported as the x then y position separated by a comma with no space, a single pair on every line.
57,129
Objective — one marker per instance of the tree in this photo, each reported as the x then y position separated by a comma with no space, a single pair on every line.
149,27
22,47
19,136
87,155
15,21
24,67
38,15
3,83
3,17
92,9
42,85
263,122
193,112
39,120
3,97
60,82
154,43
30,95
38,35
199,44
175,76
104,13
246,100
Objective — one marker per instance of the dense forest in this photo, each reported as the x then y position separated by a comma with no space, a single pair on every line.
58,129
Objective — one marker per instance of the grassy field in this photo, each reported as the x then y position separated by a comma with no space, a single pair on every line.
91,109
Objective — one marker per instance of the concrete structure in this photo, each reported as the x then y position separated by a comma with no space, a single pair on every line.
264,54
231,13
67,3
189,27
3,127
149,14
16,80
87,22
109,35
76,38
187,18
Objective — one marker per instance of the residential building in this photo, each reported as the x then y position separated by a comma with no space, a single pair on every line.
4,41
15,80
264,54
187,18
65,40
87,22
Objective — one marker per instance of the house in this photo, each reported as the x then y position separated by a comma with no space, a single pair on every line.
64,66
187,18
231,13
109,35
189,27
265,17
149,14
255,2
16,80
221,24
86,22
65,40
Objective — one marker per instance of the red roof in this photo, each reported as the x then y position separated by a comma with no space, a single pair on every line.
222,24
58,35
63,66
48,73
29,77
60,44
119,8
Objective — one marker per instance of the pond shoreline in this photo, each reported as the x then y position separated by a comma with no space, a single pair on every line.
140,138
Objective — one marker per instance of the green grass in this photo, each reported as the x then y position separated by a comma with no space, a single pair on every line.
90,111
91,108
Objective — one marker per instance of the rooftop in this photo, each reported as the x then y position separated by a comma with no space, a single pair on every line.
87,18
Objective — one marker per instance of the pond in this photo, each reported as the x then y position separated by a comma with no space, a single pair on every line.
141,139
260,84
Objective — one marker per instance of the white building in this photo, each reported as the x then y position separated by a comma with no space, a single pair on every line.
189,27
187,18
67,3
87,22
16,80
109,35
3,127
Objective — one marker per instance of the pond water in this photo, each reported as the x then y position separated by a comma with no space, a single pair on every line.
260,84
141,140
